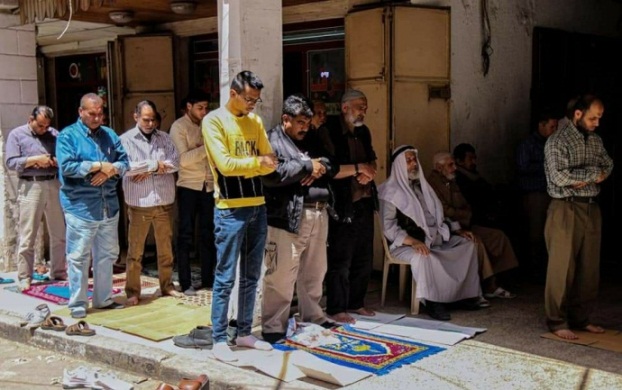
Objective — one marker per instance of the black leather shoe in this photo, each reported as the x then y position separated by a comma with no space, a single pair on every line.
113,306
438,311
273,338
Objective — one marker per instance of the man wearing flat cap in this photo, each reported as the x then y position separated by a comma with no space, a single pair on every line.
351,233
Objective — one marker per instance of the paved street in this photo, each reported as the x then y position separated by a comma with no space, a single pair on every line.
23,367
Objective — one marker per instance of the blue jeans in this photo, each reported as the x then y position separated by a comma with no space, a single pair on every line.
100,240
240,232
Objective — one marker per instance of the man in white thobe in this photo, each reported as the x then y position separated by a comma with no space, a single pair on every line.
444,265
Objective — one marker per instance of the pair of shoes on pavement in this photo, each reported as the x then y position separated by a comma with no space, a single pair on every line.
199,337
437,310
199,383
36,317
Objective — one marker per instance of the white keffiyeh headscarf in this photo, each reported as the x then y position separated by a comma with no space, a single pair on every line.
397,190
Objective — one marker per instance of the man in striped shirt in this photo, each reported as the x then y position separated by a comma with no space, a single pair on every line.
149,190
575,163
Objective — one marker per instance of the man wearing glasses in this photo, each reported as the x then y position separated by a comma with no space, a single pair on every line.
30,151
149,191
91,160
239,153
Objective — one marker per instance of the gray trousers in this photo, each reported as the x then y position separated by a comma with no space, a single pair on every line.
36,199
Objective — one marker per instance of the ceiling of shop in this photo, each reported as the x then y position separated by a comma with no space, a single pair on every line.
144,12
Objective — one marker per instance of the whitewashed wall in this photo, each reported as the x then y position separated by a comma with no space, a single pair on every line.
18,96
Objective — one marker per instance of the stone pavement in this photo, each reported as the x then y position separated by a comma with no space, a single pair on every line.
510,355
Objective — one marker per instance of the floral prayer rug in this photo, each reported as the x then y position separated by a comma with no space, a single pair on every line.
57,292
374,353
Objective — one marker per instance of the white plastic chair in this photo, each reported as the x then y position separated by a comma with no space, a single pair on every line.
388,260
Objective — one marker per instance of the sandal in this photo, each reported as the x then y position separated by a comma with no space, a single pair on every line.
199,383
80,328
500,293
6,280
483,303
54,323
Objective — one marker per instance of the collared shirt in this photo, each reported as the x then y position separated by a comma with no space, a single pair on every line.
22,143
194,170
77,149
144,154
571,157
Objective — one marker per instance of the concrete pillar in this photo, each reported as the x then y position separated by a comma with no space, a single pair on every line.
18,83
250,37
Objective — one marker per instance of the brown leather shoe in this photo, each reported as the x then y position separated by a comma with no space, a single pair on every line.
164,386
199,383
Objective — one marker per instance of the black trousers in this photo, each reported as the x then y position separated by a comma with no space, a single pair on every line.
350,257
195,204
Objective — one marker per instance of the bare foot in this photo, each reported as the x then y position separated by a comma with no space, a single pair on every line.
132,301
343,318
173,293
566,334
594,329
363,311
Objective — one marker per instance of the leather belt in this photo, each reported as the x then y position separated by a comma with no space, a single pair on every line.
315,205
580,199
39,178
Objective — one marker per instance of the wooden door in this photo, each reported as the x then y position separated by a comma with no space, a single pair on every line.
420,87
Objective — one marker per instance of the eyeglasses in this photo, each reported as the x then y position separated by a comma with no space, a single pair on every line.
251,101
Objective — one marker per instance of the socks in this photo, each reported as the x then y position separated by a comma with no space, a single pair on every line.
251,341
223,353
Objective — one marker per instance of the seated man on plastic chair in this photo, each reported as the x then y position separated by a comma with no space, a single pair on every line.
444,265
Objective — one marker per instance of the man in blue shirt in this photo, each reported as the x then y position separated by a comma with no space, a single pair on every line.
91,160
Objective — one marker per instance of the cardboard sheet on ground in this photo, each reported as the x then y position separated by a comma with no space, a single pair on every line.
438,325
611,340
316,368
368,323
276,364
290,366
433,336
154,319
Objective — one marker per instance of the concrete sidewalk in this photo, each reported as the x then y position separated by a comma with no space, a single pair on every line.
472,364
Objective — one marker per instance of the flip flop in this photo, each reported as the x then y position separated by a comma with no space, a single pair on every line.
54,323
80,328
6,280
199,383
500,293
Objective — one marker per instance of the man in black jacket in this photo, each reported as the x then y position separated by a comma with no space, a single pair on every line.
350,242
297,199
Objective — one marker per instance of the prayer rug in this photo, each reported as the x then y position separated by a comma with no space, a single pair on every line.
155,319
374,353
57,292
203,298
119,280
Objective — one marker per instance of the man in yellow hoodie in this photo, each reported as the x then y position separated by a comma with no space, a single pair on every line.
239,153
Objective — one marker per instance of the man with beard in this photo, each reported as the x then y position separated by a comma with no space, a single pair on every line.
297,199
195,194
350,241
149,191
444,265
575,163
494,248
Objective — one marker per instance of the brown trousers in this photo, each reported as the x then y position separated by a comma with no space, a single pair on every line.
140,220
572,233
